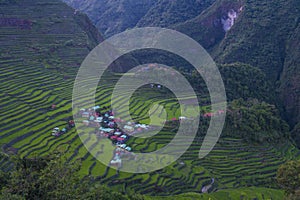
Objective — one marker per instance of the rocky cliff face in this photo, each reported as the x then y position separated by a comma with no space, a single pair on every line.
209,27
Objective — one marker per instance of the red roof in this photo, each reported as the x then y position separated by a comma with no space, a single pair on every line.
209,114
113,137
120,139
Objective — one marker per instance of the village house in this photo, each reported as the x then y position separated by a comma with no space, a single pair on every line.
107,130
71,123
143,126
128,128
118,133
209,114
128,148
92,118
99,119
182,118
85,114
55,131
96,107
116,162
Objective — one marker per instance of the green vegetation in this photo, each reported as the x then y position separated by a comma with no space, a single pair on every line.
50,178
288,178
110,20
255,122
242,193
240,81
266,36
256,164
38,67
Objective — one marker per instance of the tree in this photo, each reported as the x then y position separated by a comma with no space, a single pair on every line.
4,178
288,177
51,178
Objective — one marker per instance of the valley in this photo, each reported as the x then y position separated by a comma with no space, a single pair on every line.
43,44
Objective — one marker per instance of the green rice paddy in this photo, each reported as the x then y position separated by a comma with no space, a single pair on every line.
27,120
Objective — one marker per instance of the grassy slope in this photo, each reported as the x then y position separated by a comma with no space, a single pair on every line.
38,66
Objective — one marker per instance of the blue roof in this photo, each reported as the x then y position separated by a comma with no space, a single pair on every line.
96,107
106,129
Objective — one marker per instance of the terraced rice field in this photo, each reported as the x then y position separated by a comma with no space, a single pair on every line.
5,164
242,193
37,70
26,122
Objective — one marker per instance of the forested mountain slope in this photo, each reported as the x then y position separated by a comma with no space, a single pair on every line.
111,16
264,34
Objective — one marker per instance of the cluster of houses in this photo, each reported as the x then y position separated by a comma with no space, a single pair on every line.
205,115
58,132
107,126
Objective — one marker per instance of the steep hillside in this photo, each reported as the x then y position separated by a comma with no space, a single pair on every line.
44,35
166,13
210,27
113,17
252,32
259,36
42,45
267,36
290,77
263,34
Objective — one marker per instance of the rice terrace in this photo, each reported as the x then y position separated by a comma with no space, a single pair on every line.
42,45
255,164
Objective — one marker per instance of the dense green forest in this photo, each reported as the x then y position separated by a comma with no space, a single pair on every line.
50,178
265,35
